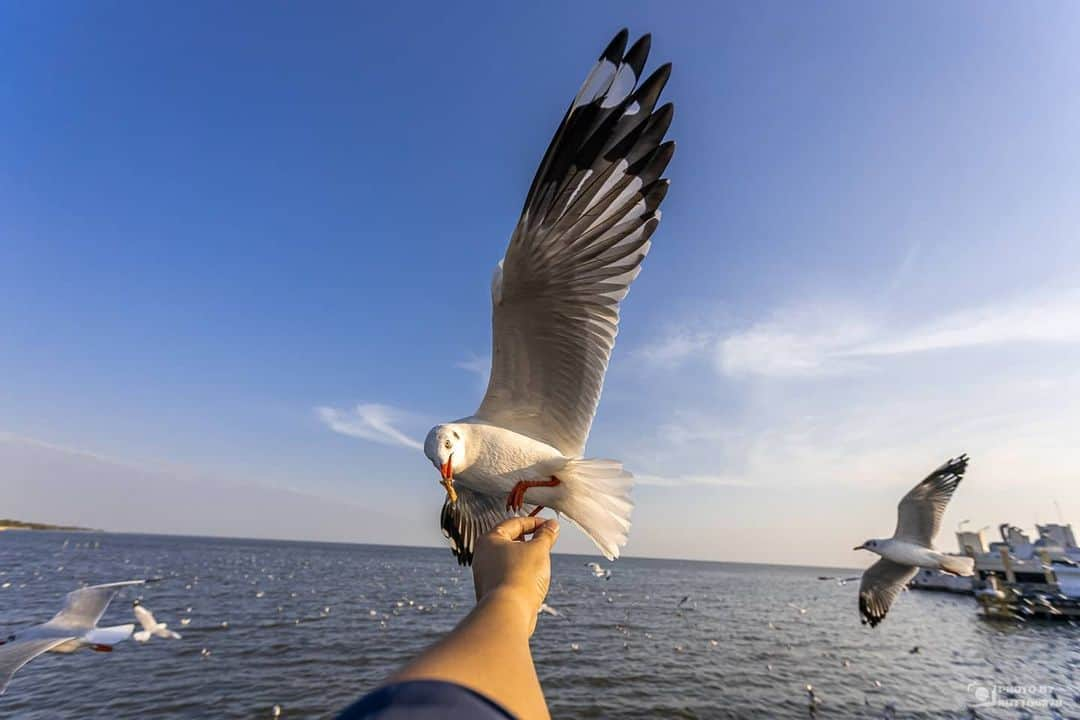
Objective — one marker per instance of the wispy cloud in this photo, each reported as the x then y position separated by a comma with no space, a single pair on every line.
817,341
689,480
369,421
675,348
479,365
1047,318
799,342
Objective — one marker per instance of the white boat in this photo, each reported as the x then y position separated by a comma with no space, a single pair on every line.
1015,567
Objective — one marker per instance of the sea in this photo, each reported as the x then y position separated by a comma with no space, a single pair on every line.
310,627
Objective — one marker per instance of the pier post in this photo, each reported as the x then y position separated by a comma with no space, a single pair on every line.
1006,560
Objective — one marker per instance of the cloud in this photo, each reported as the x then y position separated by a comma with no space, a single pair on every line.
675,348
689,480
1046,318
803,342
479,365
369,421
51,483
822,341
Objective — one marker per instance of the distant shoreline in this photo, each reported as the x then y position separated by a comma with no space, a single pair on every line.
9,524
581,555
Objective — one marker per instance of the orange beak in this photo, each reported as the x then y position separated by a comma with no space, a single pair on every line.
447,472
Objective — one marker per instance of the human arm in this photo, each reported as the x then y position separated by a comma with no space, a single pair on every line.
488,651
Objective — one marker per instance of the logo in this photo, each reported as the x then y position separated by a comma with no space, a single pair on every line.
1014,696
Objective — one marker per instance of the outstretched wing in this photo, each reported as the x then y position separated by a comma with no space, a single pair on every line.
919,513
15,654
85,606
470,517
578,245
881,583
145,618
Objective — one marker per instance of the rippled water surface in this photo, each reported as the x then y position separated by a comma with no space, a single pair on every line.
311,626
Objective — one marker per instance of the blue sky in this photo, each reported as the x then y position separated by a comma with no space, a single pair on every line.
215,221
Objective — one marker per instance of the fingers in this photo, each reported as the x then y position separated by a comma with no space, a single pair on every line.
514,528
546,534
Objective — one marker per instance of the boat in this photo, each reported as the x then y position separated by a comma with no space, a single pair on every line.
1016,577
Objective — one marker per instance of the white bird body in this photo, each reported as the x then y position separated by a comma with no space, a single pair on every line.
489,461
908,553
498,458
150,625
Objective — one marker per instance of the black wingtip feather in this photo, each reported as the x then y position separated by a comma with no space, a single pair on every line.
649,91
655,194
458,544
638,54
869,617
658,162
614,51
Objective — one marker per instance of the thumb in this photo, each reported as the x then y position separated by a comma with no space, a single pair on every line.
546,534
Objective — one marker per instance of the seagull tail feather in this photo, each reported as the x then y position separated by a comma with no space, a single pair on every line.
598,501
955,565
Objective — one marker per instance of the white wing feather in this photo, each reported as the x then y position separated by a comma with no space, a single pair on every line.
583,233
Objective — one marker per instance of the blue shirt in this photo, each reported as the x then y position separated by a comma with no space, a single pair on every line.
424,700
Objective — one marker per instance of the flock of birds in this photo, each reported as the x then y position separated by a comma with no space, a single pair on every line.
75,627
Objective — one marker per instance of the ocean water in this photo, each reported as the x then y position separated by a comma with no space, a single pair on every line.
312,626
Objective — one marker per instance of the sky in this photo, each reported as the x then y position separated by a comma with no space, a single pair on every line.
245,255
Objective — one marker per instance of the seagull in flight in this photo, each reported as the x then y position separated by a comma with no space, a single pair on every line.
579,243
911,546
150,625
71,629
598,571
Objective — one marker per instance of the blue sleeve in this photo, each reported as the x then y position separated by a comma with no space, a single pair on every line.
424,700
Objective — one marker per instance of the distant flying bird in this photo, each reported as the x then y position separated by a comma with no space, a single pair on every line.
74,627
598,571
150,625
583,232
911,546
548,610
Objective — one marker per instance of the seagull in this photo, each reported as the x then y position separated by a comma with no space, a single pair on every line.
150,625
547,609
74,627
598,571
839,580
911,546
579,243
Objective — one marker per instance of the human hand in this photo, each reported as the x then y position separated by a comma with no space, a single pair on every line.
506,567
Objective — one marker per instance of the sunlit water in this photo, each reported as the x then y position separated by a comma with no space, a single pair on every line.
332,620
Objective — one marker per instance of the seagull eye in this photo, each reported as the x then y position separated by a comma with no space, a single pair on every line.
447,445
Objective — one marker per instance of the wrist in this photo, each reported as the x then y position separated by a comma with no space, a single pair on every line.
510,603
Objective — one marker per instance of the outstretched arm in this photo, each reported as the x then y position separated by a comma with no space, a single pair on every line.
489,650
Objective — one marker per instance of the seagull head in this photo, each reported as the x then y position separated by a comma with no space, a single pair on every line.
871,545
445,448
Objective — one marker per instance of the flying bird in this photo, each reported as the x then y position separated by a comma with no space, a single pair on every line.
598,571
579,243
74,627
150,625
911,546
